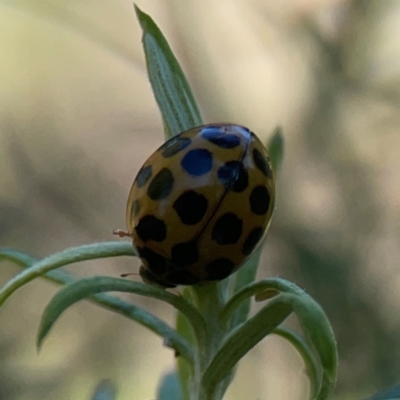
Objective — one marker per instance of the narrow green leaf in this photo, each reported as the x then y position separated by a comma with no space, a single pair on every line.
313,320
318,331
392,393
17,257
69,256
244,276
169,388
147,320
244,338
275,148
172,92
105,390
90,286
108,302
312,367
277,284
25,260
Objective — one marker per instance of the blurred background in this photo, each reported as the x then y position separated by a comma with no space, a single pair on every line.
77,119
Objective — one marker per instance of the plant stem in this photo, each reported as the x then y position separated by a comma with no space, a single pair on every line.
210,300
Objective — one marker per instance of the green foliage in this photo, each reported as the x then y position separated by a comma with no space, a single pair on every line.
213,330
392,393
170,87
105,390
169,388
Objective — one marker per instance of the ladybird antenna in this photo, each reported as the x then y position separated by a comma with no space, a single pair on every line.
129,274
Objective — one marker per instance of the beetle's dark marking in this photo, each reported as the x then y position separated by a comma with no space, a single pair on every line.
261,163
217,136
151,228
252,240
181,277
135,208
227,229
197,162
183,254
233,176
143,176
191,207
174,146
219,269
161,185
259,200
149,277
155,263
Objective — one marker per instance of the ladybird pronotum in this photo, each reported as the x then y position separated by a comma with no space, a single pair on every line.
200,205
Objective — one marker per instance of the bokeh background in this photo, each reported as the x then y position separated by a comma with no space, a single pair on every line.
77,119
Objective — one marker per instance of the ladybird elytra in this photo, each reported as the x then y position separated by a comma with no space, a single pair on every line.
200,205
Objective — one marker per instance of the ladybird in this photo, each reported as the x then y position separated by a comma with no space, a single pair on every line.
200,205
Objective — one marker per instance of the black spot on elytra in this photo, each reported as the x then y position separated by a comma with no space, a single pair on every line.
252,240
261,163
181,277
259,200
197,162
161,185
227,229
183,254
233,176
143,176
174,146
217,136
219,269
154,262
190,207
151,228
150,277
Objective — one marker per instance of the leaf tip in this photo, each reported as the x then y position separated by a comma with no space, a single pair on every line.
137,9
41,335
141,16
39,342
276,146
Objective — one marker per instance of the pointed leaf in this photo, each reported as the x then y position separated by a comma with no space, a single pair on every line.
313,369
172,92
244,338
17,257
93,285
244,276
313,320
255,288
111,303
69,256
275,148
392,393
105,390
319,334
169,388
148,320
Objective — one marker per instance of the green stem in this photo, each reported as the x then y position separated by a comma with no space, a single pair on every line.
210,301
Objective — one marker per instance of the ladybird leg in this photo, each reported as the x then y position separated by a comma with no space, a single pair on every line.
121,233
